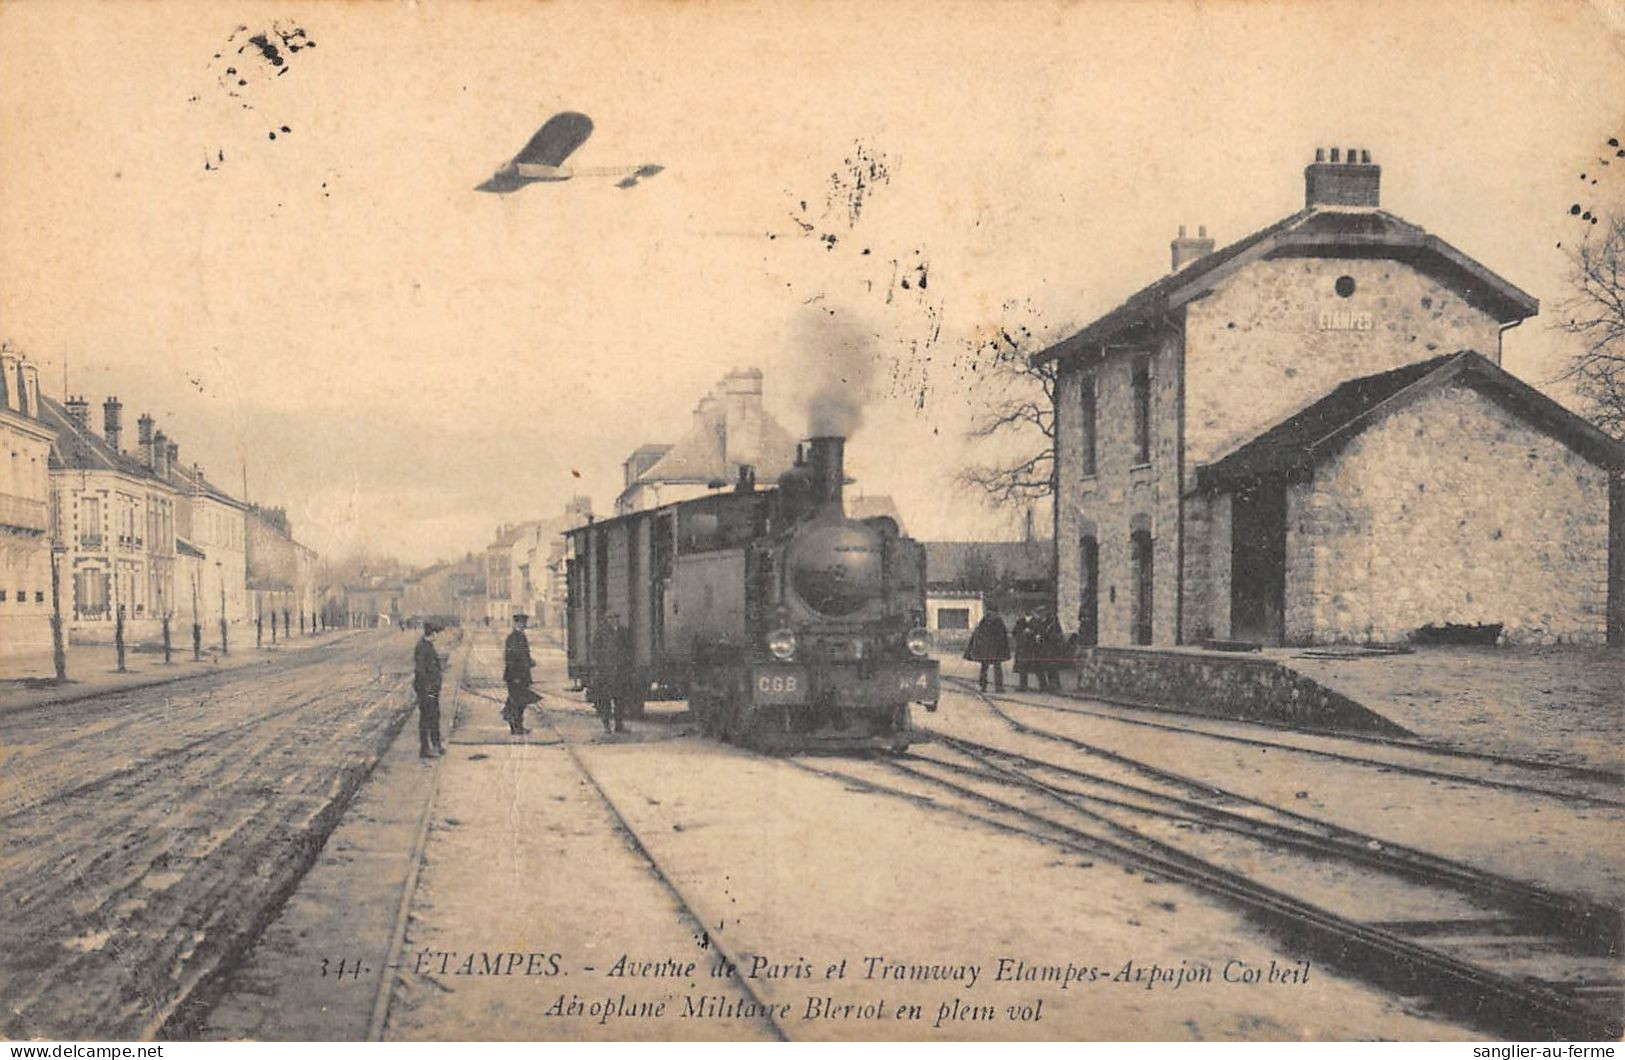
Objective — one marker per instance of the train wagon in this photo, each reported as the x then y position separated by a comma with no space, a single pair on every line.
784,624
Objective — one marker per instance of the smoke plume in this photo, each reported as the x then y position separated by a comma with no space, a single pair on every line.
837,356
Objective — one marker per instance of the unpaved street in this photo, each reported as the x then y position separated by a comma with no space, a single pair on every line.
148,832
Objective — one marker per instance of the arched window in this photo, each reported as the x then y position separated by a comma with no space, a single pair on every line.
1088,591
1142,574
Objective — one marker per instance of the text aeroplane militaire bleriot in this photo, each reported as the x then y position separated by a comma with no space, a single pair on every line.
542,159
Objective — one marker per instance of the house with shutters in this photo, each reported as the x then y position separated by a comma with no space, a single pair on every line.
115,524
25,487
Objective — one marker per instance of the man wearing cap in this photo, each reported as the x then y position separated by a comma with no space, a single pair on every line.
426,672
516,667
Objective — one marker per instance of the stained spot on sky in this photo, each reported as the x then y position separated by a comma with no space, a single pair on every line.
267,49
243,70
890,292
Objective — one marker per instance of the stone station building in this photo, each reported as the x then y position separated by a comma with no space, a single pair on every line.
1306,437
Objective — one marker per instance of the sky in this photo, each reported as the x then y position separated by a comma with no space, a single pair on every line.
335,318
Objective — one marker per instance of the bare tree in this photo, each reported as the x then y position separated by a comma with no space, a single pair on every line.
1018,421
1594,312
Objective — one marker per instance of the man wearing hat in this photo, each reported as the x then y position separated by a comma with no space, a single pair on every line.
516,667
426,671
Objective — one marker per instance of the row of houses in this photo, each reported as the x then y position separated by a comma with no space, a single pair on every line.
522,571
98,526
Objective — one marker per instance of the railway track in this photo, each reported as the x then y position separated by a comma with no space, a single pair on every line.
482,671
1444,952
1499,952
1587,780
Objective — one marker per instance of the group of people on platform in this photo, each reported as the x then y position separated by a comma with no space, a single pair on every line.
1041,649
612,687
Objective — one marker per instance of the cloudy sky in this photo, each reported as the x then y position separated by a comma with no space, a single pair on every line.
404,363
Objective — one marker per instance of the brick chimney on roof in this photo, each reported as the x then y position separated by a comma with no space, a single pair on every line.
143,437
163,453
30,390
1186,250
1346,180
112,423
79,412
10,372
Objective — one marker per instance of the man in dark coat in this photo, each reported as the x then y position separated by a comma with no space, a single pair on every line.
990,646
1024,640
611,685
516,667
1051,650
426,674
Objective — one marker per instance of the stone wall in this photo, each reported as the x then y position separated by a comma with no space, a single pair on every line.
1450,510
1122,494
1207,568
1244,687
1256,350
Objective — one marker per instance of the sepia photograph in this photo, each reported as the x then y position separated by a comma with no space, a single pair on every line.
910,522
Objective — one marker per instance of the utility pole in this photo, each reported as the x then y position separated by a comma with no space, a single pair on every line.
197,624
221,570
163,607
59,652
118,620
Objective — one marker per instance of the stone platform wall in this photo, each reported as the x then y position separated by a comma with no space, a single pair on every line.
1241,687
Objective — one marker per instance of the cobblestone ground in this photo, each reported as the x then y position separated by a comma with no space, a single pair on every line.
148,833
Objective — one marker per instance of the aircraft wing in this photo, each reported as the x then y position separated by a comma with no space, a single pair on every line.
557,139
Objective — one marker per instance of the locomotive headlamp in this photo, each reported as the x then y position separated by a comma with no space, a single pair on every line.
782,643
919,640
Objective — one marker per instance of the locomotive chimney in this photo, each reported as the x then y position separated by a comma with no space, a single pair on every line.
826,460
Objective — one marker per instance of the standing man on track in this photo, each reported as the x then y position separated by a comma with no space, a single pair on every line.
610,683
516,667
426,674
990,647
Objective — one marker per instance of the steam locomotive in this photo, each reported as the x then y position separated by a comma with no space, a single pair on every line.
786,625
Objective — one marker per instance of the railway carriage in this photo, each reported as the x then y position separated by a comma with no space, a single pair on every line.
784,624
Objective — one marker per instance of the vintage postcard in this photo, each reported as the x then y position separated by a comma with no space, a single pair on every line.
812,521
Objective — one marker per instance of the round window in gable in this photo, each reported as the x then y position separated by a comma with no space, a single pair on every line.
1344,286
